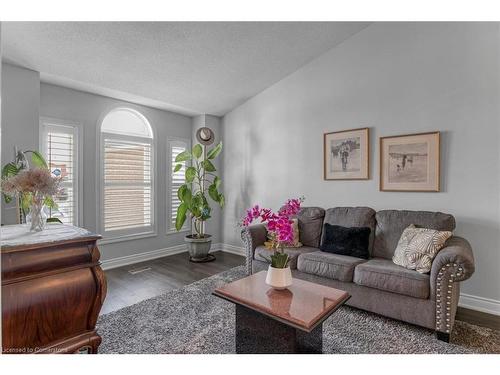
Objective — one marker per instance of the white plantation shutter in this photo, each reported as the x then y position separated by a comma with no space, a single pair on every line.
127,184
60,148
127,175
176,180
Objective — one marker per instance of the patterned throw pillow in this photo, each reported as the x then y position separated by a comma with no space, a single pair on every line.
417,247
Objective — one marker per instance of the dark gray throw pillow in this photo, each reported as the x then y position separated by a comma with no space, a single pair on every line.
346,241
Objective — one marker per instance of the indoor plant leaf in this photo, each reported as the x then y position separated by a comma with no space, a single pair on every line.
9,170
37,159
217,182
53,220
209,167
190,174
212,154
183,156
177,168
197,151
181,216
213,193
222,200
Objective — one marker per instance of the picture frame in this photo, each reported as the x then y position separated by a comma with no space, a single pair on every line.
410,162
346,154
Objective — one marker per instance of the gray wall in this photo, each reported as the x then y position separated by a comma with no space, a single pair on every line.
88,109
20,108
396,79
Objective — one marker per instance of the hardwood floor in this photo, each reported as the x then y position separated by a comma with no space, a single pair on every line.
479,318
164,274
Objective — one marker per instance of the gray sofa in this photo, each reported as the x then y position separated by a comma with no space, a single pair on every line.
377,284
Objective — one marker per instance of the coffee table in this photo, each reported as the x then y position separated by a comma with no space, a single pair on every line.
280,321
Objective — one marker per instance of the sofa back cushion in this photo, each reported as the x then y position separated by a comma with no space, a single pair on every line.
392,223
353,217
310,225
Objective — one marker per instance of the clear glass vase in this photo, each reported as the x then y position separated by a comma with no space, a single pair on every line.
37,217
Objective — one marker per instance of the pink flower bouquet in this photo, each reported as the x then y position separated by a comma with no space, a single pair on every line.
279,228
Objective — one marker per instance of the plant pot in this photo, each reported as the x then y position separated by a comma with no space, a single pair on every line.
198,248
279,278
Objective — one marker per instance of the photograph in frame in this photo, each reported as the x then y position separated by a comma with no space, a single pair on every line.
410,162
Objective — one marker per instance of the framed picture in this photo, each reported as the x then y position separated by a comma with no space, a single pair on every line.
410,162
346,155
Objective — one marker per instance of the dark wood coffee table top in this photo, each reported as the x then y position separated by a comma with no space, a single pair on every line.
304,305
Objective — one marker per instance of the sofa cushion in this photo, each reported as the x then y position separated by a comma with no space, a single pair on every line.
310,225
392,223
293,253
346,241
353,217
384,275
332,266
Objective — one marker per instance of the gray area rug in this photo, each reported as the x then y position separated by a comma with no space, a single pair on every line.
191,320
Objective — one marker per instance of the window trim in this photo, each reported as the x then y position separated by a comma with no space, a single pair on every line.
187,226
78,134
127,234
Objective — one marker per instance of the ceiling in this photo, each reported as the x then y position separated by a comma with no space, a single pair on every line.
187,67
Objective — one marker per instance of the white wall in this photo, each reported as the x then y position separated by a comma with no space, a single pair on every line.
87,109
20,109
395,78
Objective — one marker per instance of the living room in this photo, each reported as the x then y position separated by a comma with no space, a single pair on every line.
250,187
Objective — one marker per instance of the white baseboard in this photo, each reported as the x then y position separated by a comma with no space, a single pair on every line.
142,257
237,250
160,253
477,303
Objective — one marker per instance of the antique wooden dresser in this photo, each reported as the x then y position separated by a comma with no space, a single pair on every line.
52,290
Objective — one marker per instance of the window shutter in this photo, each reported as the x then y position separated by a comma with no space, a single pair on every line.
60,146
177,179
127,184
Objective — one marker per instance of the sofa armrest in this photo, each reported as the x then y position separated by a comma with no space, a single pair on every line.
454,263
253,236
456,258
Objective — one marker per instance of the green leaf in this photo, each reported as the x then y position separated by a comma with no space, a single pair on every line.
209,167
177,168
37,159
213,193
25,201
183,156
222,200
217,182
53,220
180,191
181,216
187,196
197,151
50,203
190,174
212,154
9,170
7,198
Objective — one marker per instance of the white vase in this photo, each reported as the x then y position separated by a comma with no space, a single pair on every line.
279,278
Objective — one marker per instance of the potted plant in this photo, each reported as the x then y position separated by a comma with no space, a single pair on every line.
201,184
35,186
279,235
27,199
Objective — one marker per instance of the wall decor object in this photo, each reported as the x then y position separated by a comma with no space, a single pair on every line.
410,162
346,155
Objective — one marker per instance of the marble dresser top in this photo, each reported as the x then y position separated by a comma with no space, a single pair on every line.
18,235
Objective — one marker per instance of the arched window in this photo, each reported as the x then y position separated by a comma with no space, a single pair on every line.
127,174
